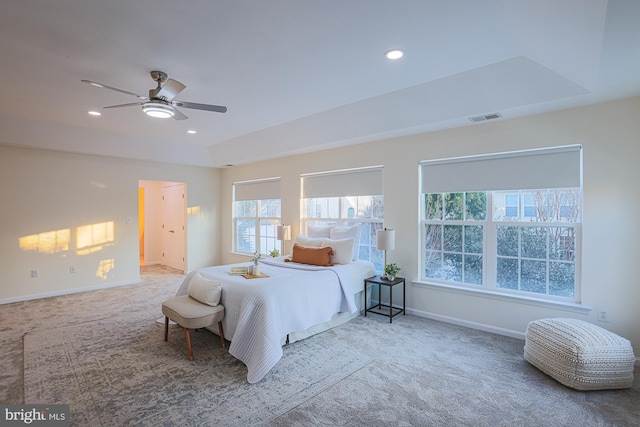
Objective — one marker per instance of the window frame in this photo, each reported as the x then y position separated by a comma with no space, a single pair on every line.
490,254
367,233
259,225
254,194
486,173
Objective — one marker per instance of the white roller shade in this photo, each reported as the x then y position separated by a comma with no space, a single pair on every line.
559,167
262,189
352,182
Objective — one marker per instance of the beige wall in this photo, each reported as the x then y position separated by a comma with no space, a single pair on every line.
610,134
61,210
45,191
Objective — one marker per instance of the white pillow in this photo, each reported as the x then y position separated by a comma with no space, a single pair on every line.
205,290
307,241
323,232
342,250
349,233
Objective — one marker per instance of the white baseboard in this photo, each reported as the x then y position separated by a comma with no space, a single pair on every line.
66,292
474,325
468,324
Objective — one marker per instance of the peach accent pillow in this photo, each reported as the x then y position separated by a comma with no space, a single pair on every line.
313,256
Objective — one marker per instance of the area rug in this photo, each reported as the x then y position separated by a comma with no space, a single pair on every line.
124,373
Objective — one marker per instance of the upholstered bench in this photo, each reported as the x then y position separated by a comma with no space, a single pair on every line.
199,309
579,354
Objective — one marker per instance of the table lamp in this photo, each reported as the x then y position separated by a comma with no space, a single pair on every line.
284,233
386,241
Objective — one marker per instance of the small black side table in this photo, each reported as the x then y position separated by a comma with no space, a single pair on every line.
378,308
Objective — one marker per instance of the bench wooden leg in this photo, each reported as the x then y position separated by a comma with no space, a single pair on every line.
221,334
166,328
186,335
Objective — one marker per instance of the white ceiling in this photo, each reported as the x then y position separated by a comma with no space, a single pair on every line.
300,75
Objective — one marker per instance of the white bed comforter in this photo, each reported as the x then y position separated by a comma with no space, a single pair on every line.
260,312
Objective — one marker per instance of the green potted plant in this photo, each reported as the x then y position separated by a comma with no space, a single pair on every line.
274,253
391,271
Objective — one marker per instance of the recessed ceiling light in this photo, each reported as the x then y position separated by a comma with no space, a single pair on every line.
95,113
394,54
191,132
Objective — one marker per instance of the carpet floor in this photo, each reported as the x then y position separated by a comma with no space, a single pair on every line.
413,372
124,373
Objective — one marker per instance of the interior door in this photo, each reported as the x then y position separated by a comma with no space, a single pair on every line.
174,212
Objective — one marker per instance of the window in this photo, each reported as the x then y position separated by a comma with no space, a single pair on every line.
346,198
501,238
368,211
511,205
256,216
454,233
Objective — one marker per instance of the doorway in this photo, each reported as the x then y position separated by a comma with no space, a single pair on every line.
163,223
141,222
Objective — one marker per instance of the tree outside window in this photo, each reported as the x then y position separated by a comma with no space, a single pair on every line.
528,244
454,236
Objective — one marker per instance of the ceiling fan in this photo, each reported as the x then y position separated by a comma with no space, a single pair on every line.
160,102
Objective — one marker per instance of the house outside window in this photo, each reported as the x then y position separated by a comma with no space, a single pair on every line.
256,216
345,198
504,239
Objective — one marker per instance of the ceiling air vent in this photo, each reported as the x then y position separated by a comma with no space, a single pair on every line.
485,117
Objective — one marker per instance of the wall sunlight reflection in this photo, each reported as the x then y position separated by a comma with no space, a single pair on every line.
93,237
48,242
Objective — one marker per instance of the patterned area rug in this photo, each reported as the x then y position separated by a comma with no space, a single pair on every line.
125,374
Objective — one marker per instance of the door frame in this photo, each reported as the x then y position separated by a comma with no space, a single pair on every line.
153,221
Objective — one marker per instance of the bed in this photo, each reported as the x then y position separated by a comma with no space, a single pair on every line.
295,301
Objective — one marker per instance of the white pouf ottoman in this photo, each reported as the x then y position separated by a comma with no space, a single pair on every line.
579,354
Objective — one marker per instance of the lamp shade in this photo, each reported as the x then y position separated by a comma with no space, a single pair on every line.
386,239
284,232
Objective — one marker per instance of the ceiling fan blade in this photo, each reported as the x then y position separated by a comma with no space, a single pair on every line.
178,115
196,106
131,104
170,89
102,85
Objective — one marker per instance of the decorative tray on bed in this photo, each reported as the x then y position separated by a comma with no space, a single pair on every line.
253,276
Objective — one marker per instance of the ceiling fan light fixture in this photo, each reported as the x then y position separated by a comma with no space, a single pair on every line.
160,102
158,110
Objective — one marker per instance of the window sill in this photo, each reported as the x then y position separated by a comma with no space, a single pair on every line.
242,254
519,299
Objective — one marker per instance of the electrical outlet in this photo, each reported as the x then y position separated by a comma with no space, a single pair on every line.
604,315
72,269
34,274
